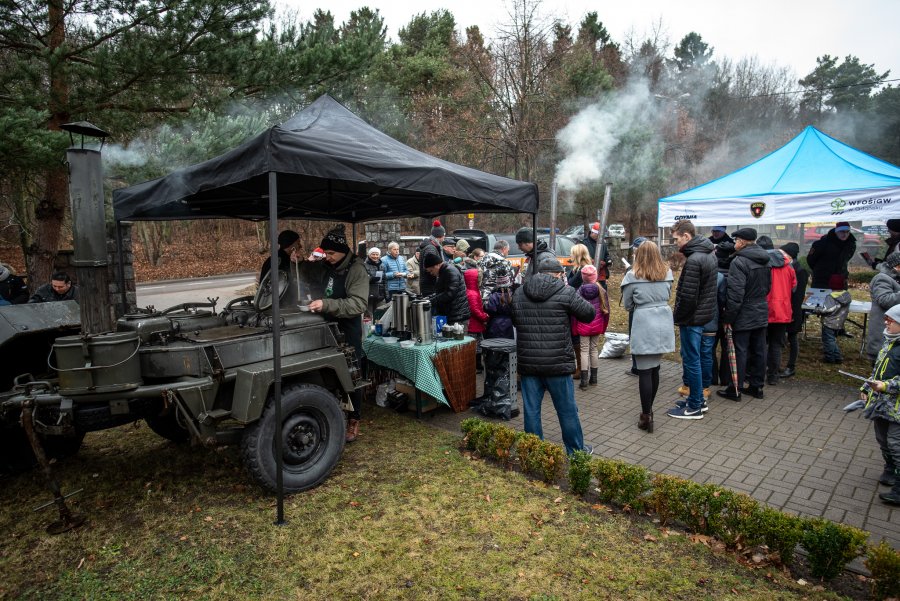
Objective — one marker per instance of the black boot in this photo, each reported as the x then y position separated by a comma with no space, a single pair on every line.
892,497
593,379
887,476
479,368
584,380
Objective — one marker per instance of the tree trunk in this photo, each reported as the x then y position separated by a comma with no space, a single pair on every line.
51,210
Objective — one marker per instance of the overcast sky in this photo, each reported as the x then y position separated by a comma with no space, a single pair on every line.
788,33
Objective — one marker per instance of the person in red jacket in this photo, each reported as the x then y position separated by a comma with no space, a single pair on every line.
784,282
589,333
477,317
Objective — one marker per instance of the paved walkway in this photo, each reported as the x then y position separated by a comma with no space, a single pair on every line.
796,450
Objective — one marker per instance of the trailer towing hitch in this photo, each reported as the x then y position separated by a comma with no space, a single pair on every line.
67,520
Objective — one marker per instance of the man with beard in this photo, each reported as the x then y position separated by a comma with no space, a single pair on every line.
345,283
747,312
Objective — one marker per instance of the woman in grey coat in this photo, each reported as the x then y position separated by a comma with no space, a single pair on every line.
645,293
885,291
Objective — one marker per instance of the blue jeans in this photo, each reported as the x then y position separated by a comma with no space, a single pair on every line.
562,391
707,348
691,370
829,344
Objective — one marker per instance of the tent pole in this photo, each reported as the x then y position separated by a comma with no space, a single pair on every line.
276,343
120,270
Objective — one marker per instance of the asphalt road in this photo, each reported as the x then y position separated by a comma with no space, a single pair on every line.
175,292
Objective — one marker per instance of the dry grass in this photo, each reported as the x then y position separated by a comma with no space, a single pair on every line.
404,516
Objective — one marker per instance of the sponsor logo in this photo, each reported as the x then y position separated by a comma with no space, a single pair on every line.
682,217
757,209
839,206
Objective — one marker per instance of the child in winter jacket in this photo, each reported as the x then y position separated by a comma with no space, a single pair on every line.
590,332
478,319
499,307
882,395
834,314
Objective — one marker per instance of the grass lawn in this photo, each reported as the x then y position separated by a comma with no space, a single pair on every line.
405,515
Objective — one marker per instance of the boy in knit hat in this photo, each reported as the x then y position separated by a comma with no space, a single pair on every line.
882,395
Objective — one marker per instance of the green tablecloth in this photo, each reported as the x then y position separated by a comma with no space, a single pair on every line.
413,363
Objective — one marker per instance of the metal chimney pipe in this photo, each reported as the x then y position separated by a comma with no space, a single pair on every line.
554,190
607,195
88,207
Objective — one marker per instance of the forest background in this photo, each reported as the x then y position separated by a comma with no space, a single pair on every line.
536,99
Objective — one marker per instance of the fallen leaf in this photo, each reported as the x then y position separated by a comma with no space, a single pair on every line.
801,582
354,503
650,537
356,554
208,518
557,500
487,498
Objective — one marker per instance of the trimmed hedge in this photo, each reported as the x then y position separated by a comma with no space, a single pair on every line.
734,518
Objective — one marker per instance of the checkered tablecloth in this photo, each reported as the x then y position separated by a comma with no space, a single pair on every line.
414,363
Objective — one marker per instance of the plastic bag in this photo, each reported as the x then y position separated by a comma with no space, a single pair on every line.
381,393
614,345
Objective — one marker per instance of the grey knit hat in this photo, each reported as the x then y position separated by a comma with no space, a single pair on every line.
892,260
893,313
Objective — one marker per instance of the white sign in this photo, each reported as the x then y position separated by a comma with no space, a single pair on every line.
471,224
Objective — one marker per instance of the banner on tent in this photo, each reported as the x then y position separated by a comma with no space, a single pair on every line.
878,204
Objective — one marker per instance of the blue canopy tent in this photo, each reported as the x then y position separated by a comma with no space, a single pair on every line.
812,178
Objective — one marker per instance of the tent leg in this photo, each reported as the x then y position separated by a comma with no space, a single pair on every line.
276,344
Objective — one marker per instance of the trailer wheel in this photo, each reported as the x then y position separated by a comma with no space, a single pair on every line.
16,454
312,430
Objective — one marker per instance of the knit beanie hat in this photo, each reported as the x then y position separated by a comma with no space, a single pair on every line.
893,225
524,235
286,238
462,245
437,230
432,260
335,240
765,242
893,313
892,260
791,248
589,274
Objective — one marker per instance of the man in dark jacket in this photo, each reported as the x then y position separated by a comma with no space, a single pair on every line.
536,253
430,246
60,288
829,256
695,306
591,242
541,311
747,312
450,291
12,287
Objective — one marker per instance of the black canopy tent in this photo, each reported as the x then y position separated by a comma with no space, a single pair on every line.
325,163
331,165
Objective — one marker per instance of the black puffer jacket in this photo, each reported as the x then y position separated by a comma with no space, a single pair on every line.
695,299
427,281
450,295
829,256
541,311
748,284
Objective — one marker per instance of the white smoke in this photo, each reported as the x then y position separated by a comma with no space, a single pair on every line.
132,155
591,136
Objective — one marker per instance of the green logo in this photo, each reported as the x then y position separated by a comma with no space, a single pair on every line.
838,204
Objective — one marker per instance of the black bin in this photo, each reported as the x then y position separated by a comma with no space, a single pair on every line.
499,398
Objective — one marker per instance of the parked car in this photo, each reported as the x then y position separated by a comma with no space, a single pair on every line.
485,240
863,239
615,230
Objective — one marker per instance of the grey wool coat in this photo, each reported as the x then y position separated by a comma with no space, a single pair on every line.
885,291
652,327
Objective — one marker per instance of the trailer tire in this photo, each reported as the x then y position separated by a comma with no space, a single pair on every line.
313,429
17,456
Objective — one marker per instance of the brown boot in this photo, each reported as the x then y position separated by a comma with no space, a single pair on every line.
352,430
645,422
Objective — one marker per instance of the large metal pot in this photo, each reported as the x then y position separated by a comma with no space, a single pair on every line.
420,315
